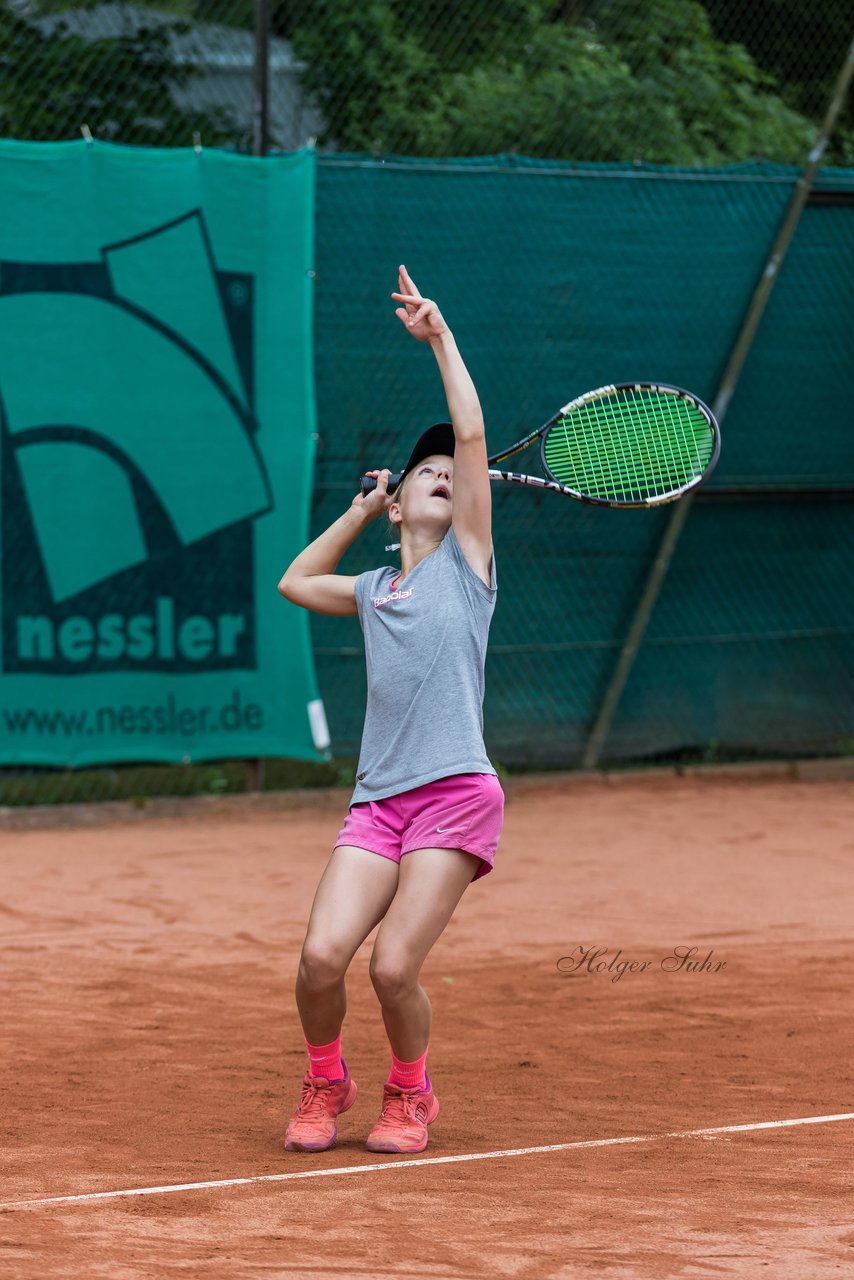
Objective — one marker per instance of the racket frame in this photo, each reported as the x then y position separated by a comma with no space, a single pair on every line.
598,394
550,483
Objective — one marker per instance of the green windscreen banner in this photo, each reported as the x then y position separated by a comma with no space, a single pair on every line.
157,454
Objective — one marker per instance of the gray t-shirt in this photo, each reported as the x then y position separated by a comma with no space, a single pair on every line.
425,649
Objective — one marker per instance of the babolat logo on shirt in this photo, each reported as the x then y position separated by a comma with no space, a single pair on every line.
379,601
129,471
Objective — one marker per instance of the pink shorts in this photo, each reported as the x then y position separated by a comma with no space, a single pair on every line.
465,811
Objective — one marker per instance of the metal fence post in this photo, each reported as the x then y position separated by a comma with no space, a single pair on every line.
261,130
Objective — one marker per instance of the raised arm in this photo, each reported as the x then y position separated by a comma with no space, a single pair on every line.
310,580
472,505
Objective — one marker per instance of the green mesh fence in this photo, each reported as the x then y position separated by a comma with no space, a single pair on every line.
787,422
750,644
556,281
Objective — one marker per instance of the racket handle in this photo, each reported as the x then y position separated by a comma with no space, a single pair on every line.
369,483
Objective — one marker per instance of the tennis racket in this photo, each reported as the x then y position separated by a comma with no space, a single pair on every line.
639,444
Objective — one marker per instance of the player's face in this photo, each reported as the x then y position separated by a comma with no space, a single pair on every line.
428,494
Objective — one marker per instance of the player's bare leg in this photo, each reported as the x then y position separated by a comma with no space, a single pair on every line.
432,881
353,895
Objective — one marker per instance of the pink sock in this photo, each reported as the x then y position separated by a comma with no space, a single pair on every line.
408,1075
325,1059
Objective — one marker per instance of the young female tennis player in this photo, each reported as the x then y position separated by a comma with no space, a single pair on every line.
427,809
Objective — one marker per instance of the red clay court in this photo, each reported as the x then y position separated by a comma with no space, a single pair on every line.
152,1041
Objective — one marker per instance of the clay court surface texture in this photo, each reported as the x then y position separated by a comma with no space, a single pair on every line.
151,1042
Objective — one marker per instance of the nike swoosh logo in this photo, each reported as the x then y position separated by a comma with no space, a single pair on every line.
444,829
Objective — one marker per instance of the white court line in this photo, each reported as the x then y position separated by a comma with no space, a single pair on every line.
428,1160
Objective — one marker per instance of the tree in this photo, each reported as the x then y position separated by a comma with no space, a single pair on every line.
803,47
594,81
666,81
52,83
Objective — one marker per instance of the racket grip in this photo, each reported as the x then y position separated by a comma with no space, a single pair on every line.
368,483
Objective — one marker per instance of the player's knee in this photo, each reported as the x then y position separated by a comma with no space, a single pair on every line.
322,964
392,977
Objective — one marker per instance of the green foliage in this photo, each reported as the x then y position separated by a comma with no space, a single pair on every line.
52,83
775,63
370,78
217,782
140,783
800,48
667,81
585,82
802,45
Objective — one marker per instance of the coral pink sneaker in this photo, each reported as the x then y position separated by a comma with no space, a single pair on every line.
312,1126
406,1113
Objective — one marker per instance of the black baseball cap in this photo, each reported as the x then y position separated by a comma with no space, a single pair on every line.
436,439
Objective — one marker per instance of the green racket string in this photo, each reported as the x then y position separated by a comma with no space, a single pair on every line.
630,446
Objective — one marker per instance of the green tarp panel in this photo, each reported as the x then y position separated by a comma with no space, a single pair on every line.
157,454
